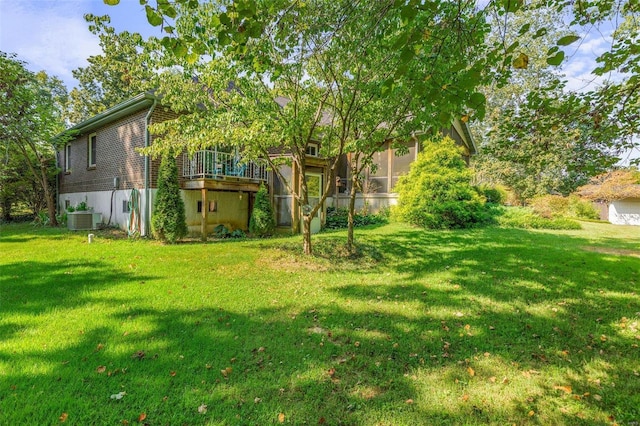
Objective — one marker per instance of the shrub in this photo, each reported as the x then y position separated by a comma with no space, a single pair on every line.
169,219
556,206
493,195
437,192
221,231
339,218
262,222
527,218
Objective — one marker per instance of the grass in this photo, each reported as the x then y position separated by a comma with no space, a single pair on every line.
483,326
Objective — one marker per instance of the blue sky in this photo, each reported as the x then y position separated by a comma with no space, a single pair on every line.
52,35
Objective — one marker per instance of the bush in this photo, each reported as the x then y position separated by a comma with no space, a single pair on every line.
437,192
262,222
556,206
169,220
493,195
339,218
527,218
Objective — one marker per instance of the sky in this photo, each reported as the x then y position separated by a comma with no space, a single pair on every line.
52,35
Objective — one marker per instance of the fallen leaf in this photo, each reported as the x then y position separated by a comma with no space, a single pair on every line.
409,401
332,372
99,347
356,344
322,421
531,413
566,388
465,397
459,314
597,397
281,417
101,369
172,374
226,371
139,355
63,417
202,409
492,379
471,371
141,417
603,338
257,400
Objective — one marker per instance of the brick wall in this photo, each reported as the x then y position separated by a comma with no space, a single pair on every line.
116,156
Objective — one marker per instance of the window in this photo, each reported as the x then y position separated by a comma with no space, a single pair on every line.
67,158
91,151
213,206
312,149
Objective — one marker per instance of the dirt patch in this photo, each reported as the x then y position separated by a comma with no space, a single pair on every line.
617,252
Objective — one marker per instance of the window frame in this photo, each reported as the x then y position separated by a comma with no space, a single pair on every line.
67,158
312,149
91,150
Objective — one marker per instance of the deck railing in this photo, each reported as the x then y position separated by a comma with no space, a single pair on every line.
210,164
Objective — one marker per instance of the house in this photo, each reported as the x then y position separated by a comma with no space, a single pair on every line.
101,167
625,211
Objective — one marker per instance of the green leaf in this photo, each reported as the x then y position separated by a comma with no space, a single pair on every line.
557,59
524,28
180,49
477,99
512,5
153,17
192,58
541,32
567,40
111,2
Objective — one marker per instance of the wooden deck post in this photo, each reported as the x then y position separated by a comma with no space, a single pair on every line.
205,214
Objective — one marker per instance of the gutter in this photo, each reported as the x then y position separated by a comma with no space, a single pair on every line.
112,114
147,137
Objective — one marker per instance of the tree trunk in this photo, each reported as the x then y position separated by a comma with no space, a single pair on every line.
48,195
306,234
353,191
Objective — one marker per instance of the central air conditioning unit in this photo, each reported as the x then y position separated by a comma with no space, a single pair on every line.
83,220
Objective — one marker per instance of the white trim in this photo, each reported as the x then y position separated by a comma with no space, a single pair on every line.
91,149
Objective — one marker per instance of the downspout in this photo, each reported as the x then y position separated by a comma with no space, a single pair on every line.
58,184
147,205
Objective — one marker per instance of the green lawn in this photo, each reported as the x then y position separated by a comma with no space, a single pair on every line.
483,326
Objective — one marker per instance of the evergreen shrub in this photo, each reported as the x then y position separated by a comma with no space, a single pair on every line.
169,220
437,191
262,222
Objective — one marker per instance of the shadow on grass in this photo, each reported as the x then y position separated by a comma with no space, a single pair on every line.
502,304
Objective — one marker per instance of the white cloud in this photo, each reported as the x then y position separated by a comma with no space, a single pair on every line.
49,35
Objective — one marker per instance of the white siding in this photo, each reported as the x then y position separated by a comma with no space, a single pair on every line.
625,212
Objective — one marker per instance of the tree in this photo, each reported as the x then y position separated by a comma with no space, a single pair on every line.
614,185
31,115
114,76
262,223
535,139
437,192
169,220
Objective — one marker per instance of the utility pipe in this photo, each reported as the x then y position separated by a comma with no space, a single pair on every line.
147,137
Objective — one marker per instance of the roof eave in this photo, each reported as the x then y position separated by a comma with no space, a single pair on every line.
112,114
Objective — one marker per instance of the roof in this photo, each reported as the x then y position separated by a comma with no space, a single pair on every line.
137,103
